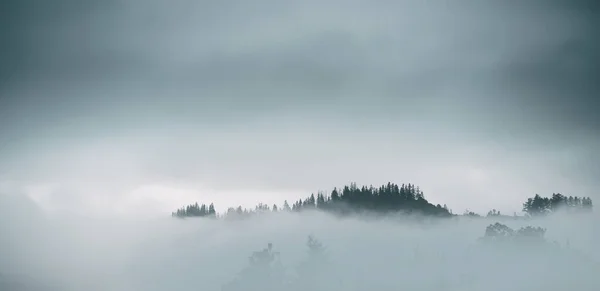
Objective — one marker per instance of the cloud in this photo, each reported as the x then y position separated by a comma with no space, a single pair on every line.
106,98
74,252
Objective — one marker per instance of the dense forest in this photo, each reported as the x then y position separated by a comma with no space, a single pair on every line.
388,198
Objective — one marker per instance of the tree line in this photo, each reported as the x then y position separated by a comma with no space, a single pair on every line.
539,205
385,199
195,210
350,199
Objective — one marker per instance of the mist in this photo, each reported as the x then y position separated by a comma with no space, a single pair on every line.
67,252
115,113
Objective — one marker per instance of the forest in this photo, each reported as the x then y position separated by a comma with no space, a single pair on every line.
472,252
385,199
499,244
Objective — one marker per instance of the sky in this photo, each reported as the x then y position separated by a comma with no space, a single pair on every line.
139,107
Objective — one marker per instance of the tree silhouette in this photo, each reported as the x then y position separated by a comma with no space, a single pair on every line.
312,273
192,210
264,272
499,232
211,211
471,213
531,234
286,206
540,206
385,199
493,213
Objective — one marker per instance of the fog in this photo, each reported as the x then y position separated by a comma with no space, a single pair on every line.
78,253
114,113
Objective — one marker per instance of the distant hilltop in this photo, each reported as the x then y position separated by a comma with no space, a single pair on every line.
386,199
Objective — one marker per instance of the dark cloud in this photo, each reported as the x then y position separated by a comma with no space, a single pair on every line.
375,81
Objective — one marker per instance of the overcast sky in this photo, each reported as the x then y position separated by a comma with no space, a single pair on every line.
143,106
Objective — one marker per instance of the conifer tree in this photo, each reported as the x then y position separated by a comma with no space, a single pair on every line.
264,272
286,206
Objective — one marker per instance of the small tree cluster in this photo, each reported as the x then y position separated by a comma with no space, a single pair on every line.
539,206
493,213
501,233
470,213
386,198
265,271
312,273
195,210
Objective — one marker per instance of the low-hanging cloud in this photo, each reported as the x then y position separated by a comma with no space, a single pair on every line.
73,253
